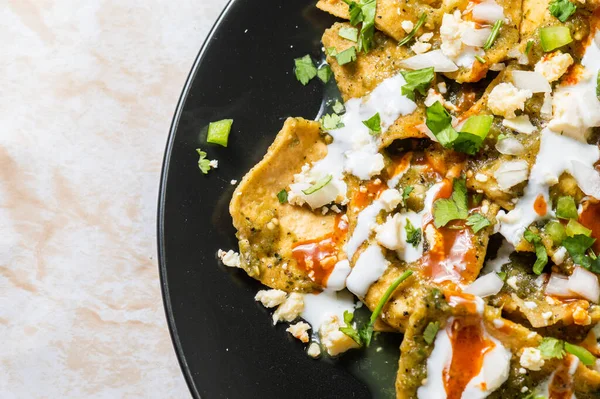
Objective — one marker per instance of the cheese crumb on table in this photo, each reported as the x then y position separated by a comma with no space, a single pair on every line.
290,309
299,331
335,341
314,350
229,258
270,298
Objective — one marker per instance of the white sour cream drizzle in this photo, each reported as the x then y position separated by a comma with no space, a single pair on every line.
544,388
370,266
494,371
576,110
319,307
502,258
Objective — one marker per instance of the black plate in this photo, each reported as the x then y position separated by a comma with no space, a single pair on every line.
225,342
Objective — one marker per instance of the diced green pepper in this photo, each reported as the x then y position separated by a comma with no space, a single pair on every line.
218,132
574,228
553,37
556,231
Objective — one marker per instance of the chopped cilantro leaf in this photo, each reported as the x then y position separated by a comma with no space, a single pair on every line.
324,73
414,31
356,15
349,33
477,222
552,348
562,9
540,251
346,56
413,235
331,51
203,163
305,69
418,80
218,132
453,208
406,193
528,47
577,247
364,12
331,122
282,196
374,124
338,107
439,122
349,330
431,331
322,182
502,275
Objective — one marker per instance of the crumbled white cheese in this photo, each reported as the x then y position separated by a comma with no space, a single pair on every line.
497,67
554,65
407,25
425,37
511,173
576,109
512,281
451,32
498,323
531,359
524,389
547,315
299,331
314,350
290,309
505,99
558,257
335,341
389,233
390,199
530,305
480,177
520,124
334,191
229,258
546,109
442,87
420,47
270,298
233,182
214,164
510,146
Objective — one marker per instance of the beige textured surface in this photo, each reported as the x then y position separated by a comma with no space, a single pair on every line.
88,89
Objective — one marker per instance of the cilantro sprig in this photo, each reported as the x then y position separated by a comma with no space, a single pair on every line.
562,9
540,251
305,69
414,31
406,193
431,331
413,235
282,196
364,334
374,124
551,348
331,122
453,208
477,222
363,11
203,163
493,35
578,247
418,80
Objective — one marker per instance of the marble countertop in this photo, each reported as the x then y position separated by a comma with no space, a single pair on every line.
88,90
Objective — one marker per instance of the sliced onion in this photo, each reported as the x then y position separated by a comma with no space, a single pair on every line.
587,177
511,173
487,285
520,124
534,81
475,37
558,286
584,284
510,146
435,59
488,11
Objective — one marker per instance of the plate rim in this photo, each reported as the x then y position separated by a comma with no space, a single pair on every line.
160,237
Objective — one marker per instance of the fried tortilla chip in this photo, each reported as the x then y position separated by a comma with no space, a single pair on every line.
267,229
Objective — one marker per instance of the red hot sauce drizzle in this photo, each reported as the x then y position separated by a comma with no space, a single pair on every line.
318,256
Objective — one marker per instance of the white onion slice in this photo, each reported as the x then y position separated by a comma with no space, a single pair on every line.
475,37
584,284
435,59
520,124
587,177
487,285
558,286
511,173
488,11
534,81
510,146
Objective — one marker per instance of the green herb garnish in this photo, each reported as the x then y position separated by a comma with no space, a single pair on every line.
374,124
562,9
477,222
338,107
406,193
413,235
453,208
349,33
282,196
324,73
203,163
540,251
583,354
418,80
577,247
346,56
493,35
414,31
218,132
331,122
480,59
322,182
528,46
551,348
305,69
363,12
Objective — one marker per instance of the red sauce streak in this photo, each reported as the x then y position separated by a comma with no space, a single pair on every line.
453,256
461,301
368,194
539,206
400,165
561,386
469,346
318,256
590,218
